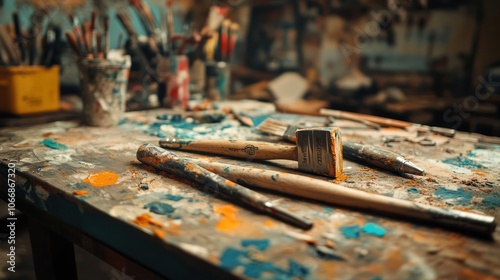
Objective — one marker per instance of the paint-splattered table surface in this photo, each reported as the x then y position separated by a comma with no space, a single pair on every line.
90,178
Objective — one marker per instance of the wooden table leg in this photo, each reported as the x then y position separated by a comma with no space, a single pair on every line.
53,255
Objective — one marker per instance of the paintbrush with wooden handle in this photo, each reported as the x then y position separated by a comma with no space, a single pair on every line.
170,162
307,187
317,151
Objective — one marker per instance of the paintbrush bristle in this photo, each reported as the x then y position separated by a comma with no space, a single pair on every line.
278,128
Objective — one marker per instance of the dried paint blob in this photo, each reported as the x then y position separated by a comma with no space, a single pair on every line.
373,229
351,232
102,179
174,197
53,144
260,244
460,196
160,208
463,162
413,190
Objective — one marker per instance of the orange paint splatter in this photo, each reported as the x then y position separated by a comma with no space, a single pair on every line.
160,233
340,178
102,179
229,221
143,220
394,261
81,192
230,183
156,227
203,221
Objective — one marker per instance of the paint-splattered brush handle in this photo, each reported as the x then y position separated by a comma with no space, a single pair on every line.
168,161
321,190
234,148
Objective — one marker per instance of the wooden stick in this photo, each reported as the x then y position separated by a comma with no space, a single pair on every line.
321,190
362,117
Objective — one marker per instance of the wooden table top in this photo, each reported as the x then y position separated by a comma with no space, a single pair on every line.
90,178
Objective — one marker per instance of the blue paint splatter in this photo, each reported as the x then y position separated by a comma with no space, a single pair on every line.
463,162
261,244
226,169
256,119
351,231
232,258
460,195
174,197
413,190
374,229
160,208
53,144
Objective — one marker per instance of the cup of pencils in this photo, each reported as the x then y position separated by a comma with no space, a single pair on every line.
103,73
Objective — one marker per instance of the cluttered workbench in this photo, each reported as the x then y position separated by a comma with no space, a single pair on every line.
85,185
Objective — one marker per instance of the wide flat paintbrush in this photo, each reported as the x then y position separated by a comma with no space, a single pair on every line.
317,151
168,161
362,153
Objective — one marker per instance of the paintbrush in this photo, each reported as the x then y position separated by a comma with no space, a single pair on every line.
71,38
19,35
307,187
317,151
168,161
9,45
105,36
362,153
387,122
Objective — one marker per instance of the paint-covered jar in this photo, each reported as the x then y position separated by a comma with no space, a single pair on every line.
103,85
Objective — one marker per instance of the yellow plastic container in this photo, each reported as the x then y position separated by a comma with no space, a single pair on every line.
29,89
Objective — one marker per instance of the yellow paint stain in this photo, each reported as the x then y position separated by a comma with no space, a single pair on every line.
102,179
480,172
268,223
81,192
229,221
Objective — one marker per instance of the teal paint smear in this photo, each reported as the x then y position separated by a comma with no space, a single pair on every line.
232,258
256,119
413,190
351,232
464,162
174,197
53,144
328,209
460,195
373,229
492,200
260,244
160,208
226,169
376,278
